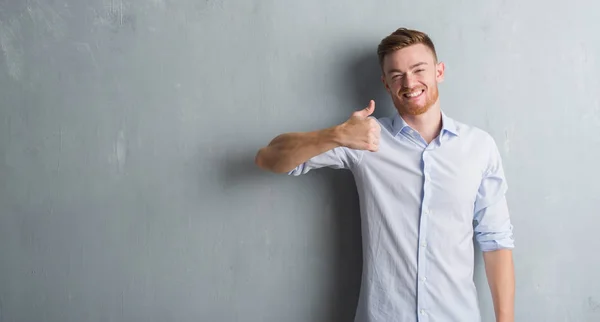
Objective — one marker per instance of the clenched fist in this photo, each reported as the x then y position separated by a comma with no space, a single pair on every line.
361,132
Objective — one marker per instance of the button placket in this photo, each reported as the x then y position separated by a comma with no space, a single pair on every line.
424,219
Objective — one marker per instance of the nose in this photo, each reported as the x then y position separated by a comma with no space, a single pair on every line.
409,80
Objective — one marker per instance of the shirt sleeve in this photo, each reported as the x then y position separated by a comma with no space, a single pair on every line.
492,224
337,158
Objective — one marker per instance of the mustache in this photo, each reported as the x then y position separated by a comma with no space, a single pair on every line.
406,90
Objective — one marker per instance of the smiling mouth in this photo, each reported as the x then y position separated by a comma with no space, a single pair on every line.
413,94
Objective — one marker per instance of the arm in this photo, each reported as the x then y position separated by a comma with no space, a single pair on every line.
494,233
500,274
286,151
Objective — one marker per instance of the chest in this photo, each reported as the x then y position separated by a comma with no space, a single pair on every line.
450,173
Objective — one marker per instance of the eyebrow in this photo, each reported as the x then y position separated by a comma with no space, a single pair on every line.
411,67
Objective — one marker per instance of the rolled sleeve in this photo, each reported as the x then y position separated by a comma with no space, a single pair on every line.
492,225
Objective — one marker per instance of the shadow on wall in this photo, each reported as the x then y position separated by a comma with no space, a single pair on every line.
344,242
359,81
363,74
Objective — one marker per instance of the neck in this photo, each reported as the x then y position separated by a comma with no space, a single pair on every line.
428,124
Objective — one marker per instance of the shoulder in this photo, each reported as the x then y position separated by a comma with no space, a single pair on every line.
386,122
479,144
476,136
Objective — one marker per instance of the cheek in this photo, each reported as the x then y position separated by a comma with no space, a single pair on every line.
395,85
397,89
424,78
427,81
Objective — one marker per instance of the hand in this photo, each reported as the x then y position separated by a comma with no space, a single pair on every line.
360,131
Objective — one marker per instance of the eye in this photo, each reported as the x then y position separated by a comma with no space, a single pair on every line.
419,70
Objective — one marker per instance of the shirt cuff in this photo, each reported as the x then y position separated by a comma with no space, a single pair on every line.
496,241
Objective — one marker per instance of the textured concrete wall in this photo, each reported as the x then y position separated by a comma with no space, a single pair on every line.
129,127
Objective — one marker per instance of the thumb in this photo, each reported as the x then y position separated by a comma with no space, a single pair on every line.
367,110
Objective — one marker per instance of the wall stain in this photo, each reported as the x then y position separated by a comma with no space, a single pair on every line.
115,16
86,49
119,154
593,304
10,34
28,20
508,134
204,6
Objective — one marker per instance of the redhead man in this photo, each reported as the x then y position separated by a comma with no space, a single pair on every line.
427,185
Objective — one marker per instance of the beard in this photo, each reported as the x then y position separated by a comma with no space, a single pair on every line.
416,106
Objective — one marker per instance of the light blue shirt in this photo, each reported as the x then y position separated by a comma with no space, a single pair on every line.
421,204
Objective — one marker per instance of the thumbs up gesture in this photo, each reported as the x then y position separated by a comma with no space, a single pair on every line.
360,131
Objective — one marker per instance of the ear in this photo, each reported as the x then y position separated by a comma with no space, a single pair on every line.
439,72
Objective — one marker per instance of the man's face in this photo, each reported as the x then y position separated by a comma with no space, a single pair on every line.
411,76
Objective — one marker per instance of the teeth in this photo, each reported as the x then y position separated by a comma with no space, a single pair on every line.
413,94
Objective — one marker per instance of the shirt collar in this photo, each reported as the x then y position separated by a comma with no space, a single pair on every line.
448,125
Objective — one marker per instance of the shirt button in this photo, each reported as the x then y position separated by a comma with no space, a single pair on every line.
422,311
424,244
423,278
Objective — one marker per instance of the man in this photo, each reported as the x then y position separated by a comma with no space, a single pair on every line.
427,184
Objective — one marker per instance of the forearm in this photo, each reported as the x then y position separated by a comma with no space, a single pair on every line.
499,269
287,151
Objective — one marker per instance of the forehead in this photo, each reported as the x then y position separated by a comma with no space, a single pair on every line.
403,58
